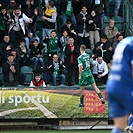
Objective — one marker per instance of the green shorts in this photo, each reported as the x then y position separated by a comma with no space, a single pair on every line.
87,78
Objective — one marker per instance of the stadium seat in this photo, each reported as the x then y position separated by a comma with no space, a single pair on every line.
111,1
106,21
28,72
89,51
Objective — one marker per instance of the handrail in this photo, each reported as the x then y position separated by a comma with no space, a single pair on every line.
129,18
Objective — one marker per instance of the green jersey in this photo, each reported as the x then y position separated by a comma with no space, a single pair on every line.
87,77
84,60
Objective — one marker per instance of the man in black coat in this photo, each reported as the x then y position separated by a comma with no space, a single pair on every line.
71,53
10,70
82,27
104,49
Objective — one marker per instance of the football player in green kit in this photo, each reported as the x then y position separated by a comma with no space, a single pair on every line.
85,75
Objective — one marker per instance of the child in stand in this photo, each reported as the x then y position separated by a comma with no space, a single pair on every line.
37,81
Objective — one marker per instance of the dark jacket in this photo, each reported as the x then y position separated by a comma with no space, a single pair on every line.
6,70
51,68
68,55
97,23
107,54
48,13
65,28
35,51
4,52
80,22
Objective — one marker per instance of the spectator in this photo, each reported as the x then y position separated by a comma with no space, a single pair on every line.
64,42
37,81
111,31
70,29
56,68
99,9
53,44
82,27
49,19
30,34
119,38
23,5
71,53
94,28
88,4
36,54
34,4
6,47
67,12
117,6
104,49
10,70
44,3
17,25
106,7
76,4
23,54
20,77
99,69
3,22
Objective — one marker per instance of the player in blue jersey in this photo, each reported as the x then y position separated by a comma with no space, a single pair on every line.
120,85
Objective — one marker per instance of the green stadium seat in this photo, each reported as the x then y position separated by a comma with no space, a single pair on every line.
106,21
89,51
28,72
111,1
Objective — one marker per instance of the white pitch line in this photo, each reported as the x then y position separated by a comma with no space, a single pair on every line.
44,110
16,110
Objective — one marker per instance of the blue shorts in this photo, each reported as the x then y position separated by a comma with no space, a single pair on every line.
120,100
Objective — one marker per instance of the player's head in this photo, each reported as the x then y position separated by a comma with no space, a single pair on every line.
82,48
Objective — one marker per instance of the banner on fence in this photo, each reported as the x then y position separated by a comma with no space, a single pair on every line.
93,104
45,103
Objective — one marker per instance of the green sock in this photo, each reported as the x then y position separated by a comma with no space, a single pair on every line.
100,95
82,100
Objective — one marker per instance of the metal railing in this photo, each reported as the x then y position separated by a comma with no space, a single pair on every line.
129,19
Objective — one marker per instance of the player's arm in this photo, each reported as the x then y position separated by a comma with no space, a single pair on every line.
80,71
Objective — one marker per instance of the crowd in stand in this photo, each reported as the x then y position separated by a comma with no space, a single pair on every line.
82,23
